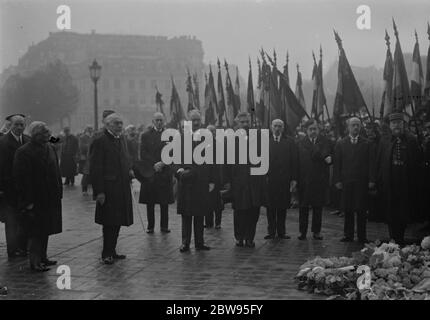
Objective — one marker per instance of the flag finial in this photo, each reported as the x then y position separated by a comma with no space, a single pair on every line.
313,56
320,52
387,39
226,65
288,57
297,68
219,64
396,33
428,29
274,56
338,39
416,36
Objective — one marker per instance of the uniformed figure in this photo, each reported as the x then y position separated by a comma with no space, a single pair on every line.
314,161
156,178
38,180
111,174
398,168
195,182
248,192
281,179
15,227
354,174
69,152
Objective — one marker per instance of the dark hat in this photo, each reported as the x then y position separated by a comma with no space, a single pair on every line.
397,116
9,118
107,113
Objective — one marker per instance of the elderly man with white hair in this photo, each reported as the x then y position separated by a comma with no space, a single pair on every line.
16,235
38,180
111,174
354,174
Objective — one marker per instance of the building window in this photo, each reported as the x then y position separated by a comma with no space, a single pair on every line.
131,84
142,84
117,84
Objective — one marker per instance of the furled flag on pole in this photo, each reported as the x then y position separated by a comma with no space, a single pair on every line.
274,104
250,95
287,78
196,92
190,92
348,100
401,92
259,106
417,77
321,95
237,90
159,101
176,112
316,110
387,94
427,84
232,109
221,101
299,90
210,100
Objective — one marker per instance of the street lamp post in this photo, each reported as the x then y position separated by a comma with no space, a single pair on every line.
95,70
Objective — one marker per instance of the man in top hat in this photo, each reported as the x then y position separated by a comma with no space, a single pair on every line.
398,164
156,178
354,174
16,235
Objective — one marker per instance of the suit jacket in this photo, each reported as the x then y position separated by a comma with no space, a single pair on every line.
8,147
109,170
283,168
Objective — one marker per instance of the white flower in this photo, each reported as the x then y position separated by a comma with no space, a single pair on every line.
425,244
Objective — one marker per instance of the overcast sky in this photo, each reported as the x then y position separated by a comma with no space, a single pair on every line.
231,29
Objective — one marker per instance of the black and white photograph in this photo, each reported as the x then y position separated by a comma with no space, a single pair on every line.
214,154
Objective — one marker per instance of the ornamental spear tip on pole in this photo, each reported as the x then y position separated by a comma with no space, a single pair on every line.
396,33
320,52
313,56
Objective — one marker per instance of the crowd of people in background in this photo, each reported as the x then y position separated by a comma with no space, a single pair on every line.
377,170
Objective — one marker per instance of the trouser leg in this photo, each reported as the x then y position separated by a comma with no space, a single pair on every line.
150,215
110,236
218,217
303,220
72,179
252,219
164,216
85,182
271,221
209,219
11,230
198,231
361,225
349,224
281,214
44,247
186,229
316,219
238,224
116,230
36,250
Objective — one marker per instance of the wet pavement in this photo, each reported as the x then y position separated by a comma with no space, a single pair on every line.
155,269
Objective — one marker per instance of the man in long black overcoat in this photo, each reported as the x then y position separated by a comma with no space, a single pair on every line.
156,178
399,164
111,174
354,174
68,159
38,181
16,234
313,182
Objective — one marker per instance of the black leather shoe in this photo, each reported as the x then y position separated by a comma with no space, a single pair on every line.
283,236
49,262
150,231
164,231
108,260
239,243
302,237
39,268
184,248
218,226
203,248
17,254
249,244
346,239
269,236
317,236
119,256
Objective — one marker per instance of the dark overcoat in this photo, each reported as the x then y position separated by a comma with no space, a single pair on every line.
247,191
69,152
8,147
37,177
313,179
84,150
409,185
283,168
156,187
354,167
110,167
193,186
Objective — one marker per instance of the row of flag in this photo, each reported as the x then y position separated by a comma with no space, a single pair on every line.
274,99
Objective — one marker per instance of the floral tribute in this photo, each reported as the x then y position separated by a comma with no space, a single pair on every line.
380,271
